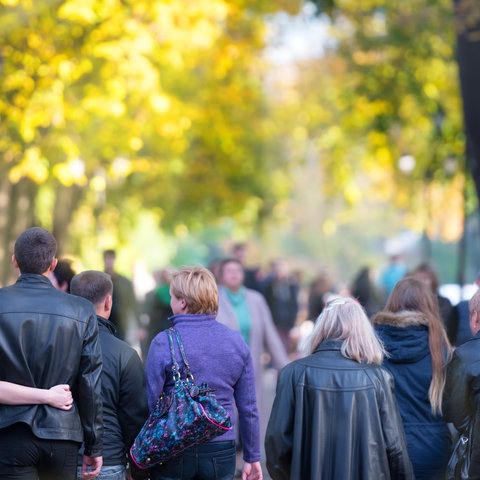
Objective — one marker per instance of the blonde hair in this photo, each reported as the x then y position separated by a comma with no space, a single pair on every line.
413,295
344,319
197,286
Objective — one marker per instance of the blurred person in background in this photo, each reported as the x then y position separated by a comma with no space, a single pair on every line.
392,273
321,287
281,293
427,274
156,306
418,350
335,415
246,311
364,290
124,313
252,275
62,275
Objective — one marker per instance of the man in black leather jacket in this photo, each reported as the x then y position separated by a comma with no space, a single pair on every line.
48,337
125,407
462,389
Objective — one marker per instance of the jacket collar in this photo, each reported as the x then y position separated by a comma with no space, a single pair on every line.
329,345
34,279
402,319
105,324
187,318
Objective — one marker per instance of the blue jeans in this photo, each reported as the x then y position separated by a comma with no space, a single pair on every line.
116,472
212,461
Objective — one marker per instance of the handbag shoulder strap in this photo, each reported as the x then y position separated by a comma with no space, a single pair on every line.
175,367
188,373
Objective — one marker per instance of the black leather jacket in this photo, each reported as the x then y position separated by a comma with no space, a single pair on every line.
48,337
462,396
334,418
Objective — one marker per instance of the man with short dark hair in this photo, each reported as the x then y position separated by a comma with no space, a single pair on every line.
124,396
48,337
462,389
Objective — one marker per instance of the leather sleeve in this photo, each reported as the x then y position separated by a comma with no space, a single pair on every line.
279,435
462,401
89,399
457,398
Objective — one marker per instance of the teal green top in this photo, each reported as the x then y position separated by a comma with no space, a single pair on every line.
238,302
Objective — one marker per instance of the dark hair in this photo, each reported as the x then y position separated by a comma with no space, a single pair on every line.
229,260
428,270
35,250
64,272
109,253
92,285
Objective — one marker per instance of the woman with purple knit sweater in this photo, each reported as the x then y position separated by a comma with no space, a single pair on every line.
219,356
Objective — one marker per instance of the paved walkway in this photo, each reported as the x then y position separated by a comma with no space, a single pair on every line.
270,383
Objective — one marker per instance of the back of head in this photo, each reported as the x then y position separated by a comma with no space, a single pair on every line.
427,274
92,285
474,302
197,286
35,250
344,319
412,295
64,273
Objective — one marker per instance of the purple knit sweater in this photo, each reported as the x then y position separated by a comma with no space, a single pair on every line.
216,355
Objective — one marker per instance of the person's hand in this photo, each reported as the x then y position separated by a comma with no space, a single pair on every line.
60,396
91,467
252,471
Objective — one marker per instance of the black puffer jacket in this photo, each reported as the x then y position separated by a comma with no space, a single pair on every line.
462,396
48,337
334,418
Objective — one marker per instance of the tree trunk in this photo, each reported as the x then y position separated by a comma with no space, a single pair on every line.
16,214
468,57
66,202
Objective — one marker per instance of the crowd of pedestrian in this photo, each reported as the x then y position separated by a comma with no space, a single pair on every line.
382,385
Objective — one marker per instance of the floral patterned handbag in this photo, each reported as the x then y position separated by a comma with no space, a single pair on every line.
184,416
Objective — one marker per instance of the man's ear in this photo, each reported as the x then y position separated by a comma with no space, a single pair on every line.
14,261
474,322
53,265
107,305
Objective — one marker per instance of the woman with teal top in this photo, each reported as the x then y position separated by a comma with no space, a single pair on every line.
247,311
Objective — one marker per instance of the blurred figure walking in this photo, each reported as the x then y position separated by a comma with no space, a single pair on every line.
281,294
246,310
124,313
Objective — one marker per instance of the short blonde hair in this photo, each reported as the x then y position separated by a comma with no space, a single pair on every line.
344,319
197,286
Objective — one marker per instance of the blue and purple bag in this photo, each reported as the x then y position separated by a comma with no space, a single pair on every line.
184,416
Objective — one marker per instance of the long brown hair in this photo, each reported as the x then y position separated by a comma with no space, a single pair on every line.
412,295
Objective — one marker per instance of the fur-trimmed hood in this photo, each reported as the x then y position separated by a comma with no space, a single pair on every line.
404,334
402,319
